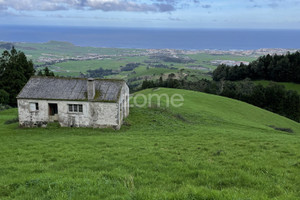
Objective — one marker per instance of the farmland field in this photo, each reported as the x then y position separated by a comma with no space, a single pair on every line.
210,148
66,59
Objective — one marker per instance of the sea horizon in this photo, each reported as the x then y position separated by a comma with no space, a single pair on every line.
155,38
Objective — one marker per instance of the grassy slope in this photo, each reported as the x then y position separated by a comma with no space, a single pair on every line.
211,148
288,85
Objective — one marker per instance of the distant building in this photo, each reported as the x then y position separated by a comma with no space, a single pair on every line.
229,62
73,102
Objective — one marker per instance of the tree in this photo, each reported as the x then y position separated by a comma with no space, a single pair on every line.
284,68
258,96
15,71
4,97
275,95
40,73
220,73
160,81
146,84
292,105
47,72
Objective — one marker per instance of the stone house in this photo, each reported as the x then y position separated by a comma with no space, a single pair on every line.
73,102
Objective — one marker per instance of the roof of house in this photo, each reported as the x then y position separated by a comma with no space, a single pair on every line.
72,89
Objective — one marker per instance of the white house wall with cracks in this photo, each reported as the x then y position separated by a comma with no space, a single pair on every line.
73,102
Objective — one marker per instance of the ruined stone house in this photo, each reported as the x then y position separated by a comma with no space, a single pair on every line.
73,102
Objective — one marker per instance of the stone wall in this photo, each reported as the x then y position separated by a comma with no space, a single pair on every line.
95,114
35,118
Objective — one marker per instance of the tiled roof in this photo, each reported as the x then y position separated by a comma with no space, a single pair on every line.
54,88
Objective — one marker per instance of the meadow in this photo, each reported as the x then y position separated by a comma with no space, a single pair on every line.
210,148
40,53
65,49
74,68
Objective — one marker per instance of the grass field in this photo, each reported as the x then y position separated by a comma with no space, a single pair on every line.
210,148
73,68
204,59
287,85
41,53
59,48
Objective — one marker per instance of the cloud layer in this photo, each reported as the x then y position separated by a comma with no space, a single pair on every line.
104,5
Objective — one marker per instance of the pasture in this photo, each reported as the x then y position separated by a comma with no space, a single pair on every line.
210,148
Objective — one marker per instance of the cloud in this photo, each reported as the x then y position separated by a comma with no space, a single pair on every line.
25,5
104,5
273,3
206,6
175,19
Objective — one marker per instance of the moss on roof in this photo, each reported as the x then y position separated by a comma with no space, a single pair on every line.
75,89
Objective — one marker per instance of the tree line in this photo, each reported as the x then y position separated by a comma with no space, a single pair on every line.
45,72
273,97
168,58
280,68
130,66
15,71
100,73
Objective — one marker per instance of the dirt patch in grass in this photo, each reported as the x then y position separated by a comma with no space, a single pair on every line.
288,130
166,110
11,121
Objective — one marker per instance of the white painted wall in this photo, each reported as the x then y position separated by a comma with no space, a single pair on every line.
95,114
123,103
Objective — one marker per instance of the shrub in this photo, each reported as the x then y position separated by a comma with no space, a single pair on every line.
4,97
4,107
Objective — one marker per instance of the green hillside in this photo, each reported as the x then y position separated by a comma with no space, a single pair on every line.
210,148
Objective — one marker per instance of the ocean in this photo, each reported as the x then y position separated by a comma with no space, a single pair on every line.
143,38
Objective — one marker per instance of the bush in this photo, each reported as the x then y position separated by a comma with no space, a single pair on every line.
4,107
4,97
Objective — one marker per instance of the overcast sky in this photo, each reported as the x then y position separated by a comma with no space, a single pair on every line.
275,14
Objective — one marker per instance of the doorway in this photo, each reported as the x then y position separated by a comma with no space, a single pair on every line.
53,111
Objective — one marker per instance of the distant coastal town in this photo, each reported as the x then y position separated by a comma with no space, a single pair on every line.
54,58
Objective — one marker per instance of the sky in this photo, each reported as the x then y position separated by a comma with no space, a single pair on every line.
195,14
